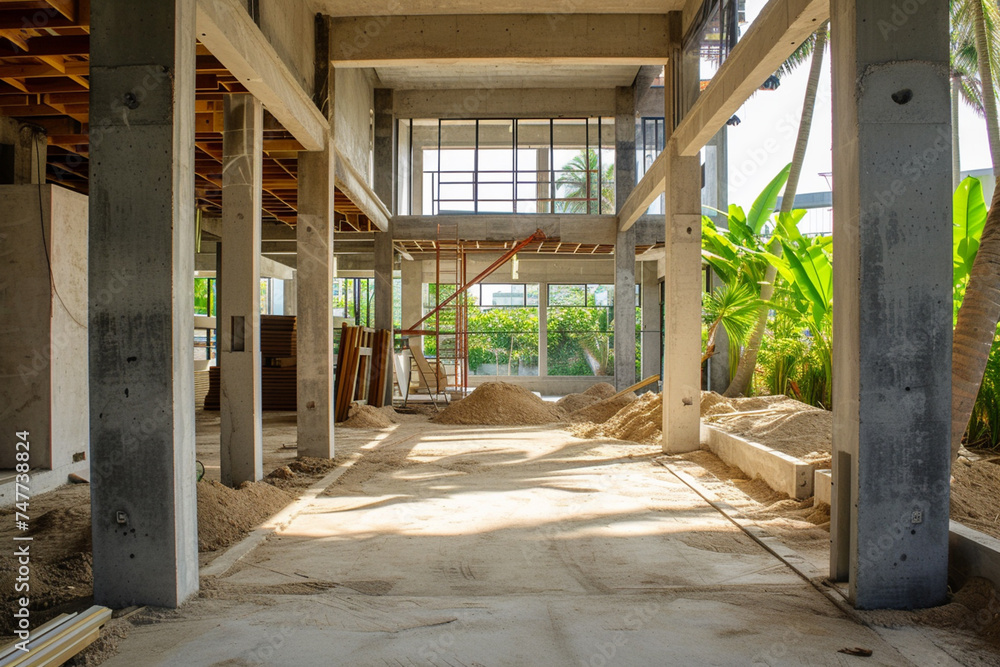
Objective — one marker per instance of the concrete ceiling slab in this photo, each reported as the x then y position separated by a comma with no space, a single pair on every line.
555,7
421,77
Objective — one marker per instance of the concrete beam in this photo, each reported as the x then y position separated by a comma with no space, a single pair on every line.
569,228
773,36
892,327
241,438
645,193
142,204
505,103
225,27
358,191
780,28
599,39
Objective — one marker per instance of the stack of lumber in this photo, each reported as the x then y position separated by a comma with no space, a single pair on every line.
212,398
59,640
277,336
364,369
201,386
278,372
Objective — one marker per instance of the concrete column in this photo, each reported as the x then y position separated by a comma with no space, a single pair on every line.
543,190
651,323
142,226
715,195
314,303
625,242
25,164
543,330
682,305
290,293
412,279
383,185
892,324
241,439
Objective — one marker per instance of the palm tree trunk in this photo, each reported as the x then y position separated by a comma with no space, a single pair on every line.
976,327
748,360
956,162
986,77
980,311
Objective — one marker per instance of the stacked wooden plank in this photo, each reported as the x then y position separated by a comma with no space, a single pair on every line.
202,383
278,373
364,368
277,336
58,640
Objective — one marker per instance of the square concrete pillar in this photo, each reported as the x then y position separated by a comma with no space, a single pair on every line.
383,170
651,322
625,242
892,333
43,323
241,438
314,303
142,204
682,305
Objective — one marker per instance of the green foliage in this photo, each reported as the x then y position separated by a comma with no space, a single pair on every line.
796,354
585,186
984,427
969,214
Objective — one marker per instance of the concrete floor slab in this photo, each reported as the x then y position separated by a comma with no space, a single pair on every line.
468,546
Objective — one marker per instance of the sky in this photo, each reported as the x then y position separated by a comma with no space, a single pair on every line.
763,143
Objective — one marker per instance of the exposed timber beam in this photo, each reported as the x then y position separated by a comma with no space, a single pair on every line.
228,31
358,191
776,33
600,39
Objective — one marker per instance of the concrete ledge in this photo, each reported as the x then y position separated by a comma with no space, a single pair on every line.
973,554
42,481
782,472
823,486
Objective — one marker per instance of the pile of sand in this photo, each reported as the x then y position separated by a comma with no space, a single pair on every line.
974,499
603,410
639,421
366,416
777,422
226,515
972,608
598,392
501,404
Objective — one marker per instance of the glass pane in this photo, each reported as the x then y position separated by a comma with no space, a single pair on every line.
567,295
534,176
572,353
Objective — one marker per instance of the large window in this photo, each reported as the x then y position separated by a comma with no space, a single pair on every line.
354,300
205,300
503,329
507,166
580,330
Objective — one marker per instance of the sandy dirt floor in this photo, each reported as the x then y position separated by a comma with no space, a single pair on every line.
468,545
450,545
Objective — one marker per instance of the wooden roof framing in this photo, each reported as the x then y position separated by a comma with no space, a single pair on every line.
44,80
